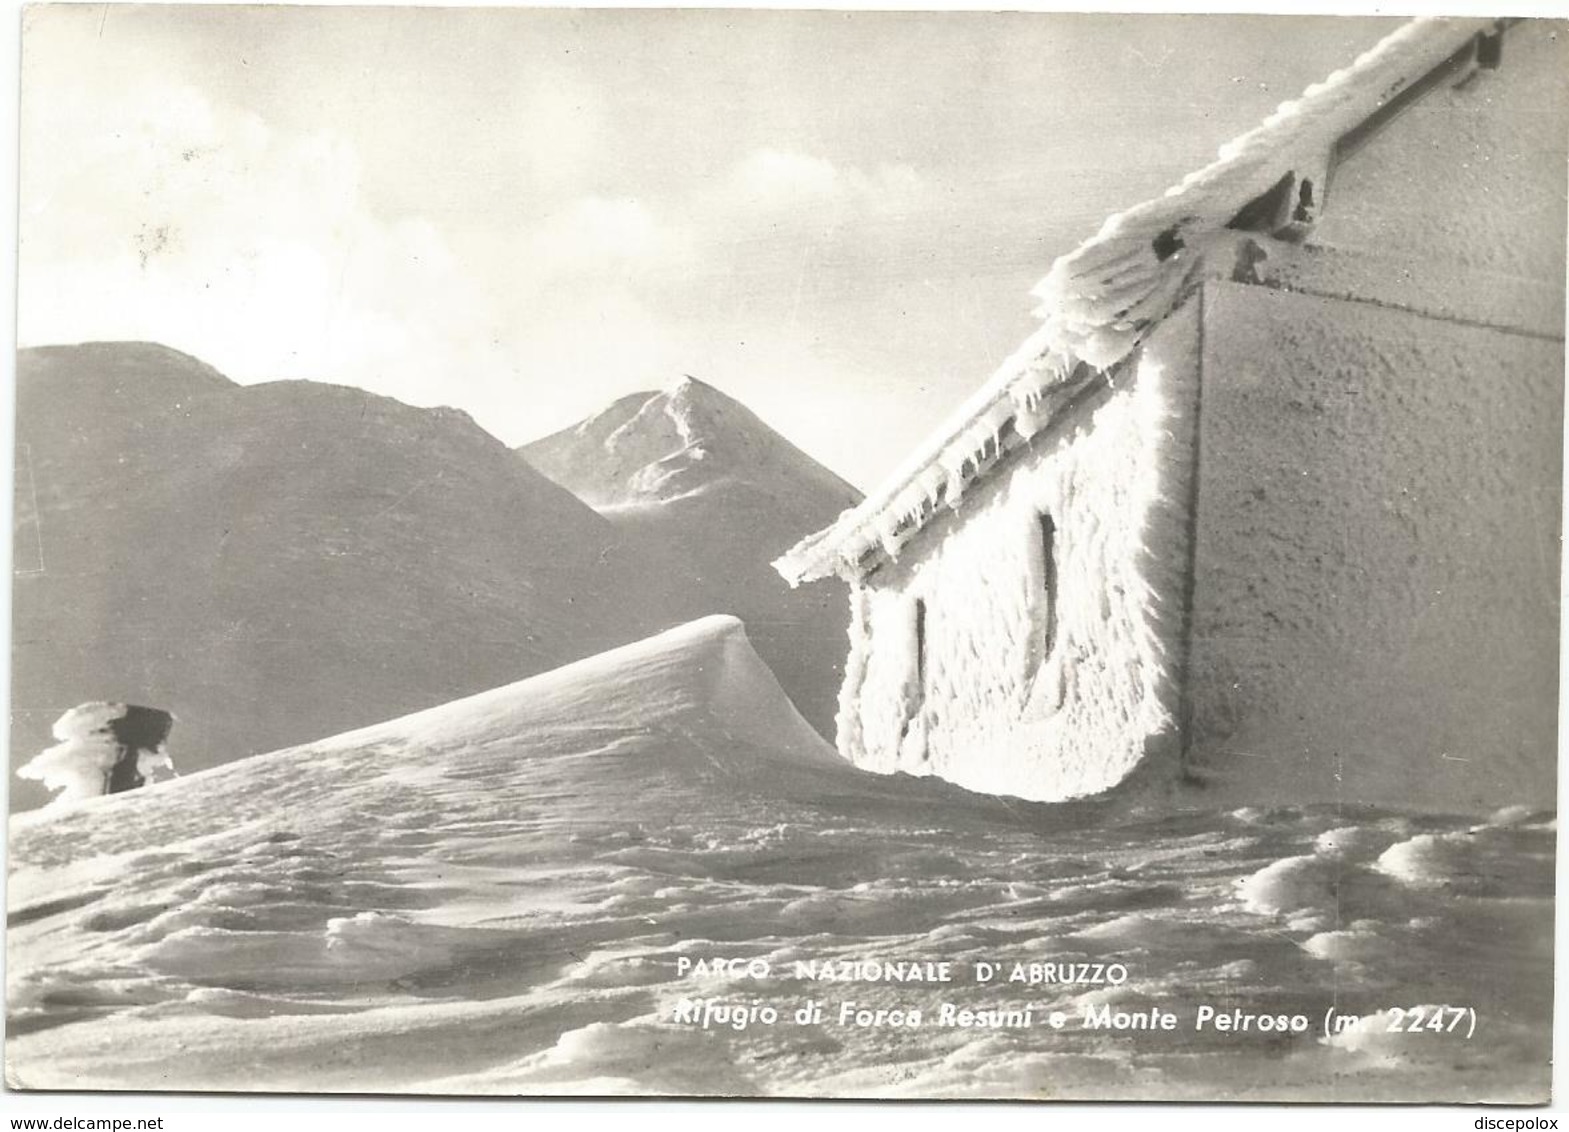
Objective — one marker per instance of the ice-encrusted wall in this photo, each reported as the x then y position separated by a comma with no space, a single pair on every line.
1371,612
967,687
1376,593
1467,181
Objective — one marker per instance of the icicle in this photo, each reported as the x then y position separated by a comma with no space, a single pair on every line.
887,528
933,482
955,490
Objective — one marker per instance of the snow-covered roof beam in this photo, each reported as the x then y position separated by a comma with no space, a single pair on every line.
1098,302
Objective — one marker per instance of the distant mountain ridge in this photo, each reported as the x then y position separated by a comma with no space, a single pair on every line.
278,562
665,444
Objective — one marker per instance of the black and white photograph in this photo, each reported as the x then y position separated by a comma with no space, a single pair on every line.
932,555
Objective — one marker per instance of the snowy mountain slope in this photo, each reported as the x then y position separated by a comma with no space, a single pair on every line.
689,437
281,561
494,896
706,496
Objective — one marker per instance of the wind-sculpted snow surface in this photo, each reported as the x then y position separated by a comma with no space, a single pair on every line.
512,894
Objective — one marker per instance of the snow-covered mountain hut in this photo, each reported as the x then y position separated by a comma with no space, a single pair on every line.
1270,503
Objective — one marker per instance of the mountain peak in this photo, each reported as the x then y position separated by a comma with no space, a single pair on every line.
125,355
686,438
697,402
101,378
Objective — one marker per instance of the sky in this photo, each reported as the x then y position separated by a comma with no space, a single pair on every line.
834,217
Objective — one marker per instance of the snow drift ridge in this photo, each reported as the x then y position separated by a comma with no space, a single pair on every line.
705,669
695,700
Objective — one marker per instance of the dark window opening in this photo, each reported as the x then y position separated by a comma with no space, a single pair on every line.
1490,50
1263,212
1167,244
1049,576
1304,212
918,662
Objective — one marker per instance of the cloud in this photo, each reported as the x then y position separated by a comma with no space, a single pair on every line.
736,279
175,217
780,208
594,344
770,179
775,178
598,236
172,218
560,128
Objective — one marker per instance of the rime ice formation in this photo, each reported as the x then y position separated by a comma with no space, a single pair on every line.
1099,562
990,658
1099,301
102,749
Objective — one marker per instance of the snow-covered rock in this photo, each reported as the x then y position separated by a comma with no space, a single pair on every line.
103,749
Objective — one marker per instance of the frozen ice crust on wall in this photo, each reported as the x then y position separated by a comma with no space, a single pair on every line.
1375,591
1007,665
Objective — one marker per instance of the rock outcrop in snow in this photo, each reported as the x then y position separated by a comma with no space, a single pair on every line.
102,749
